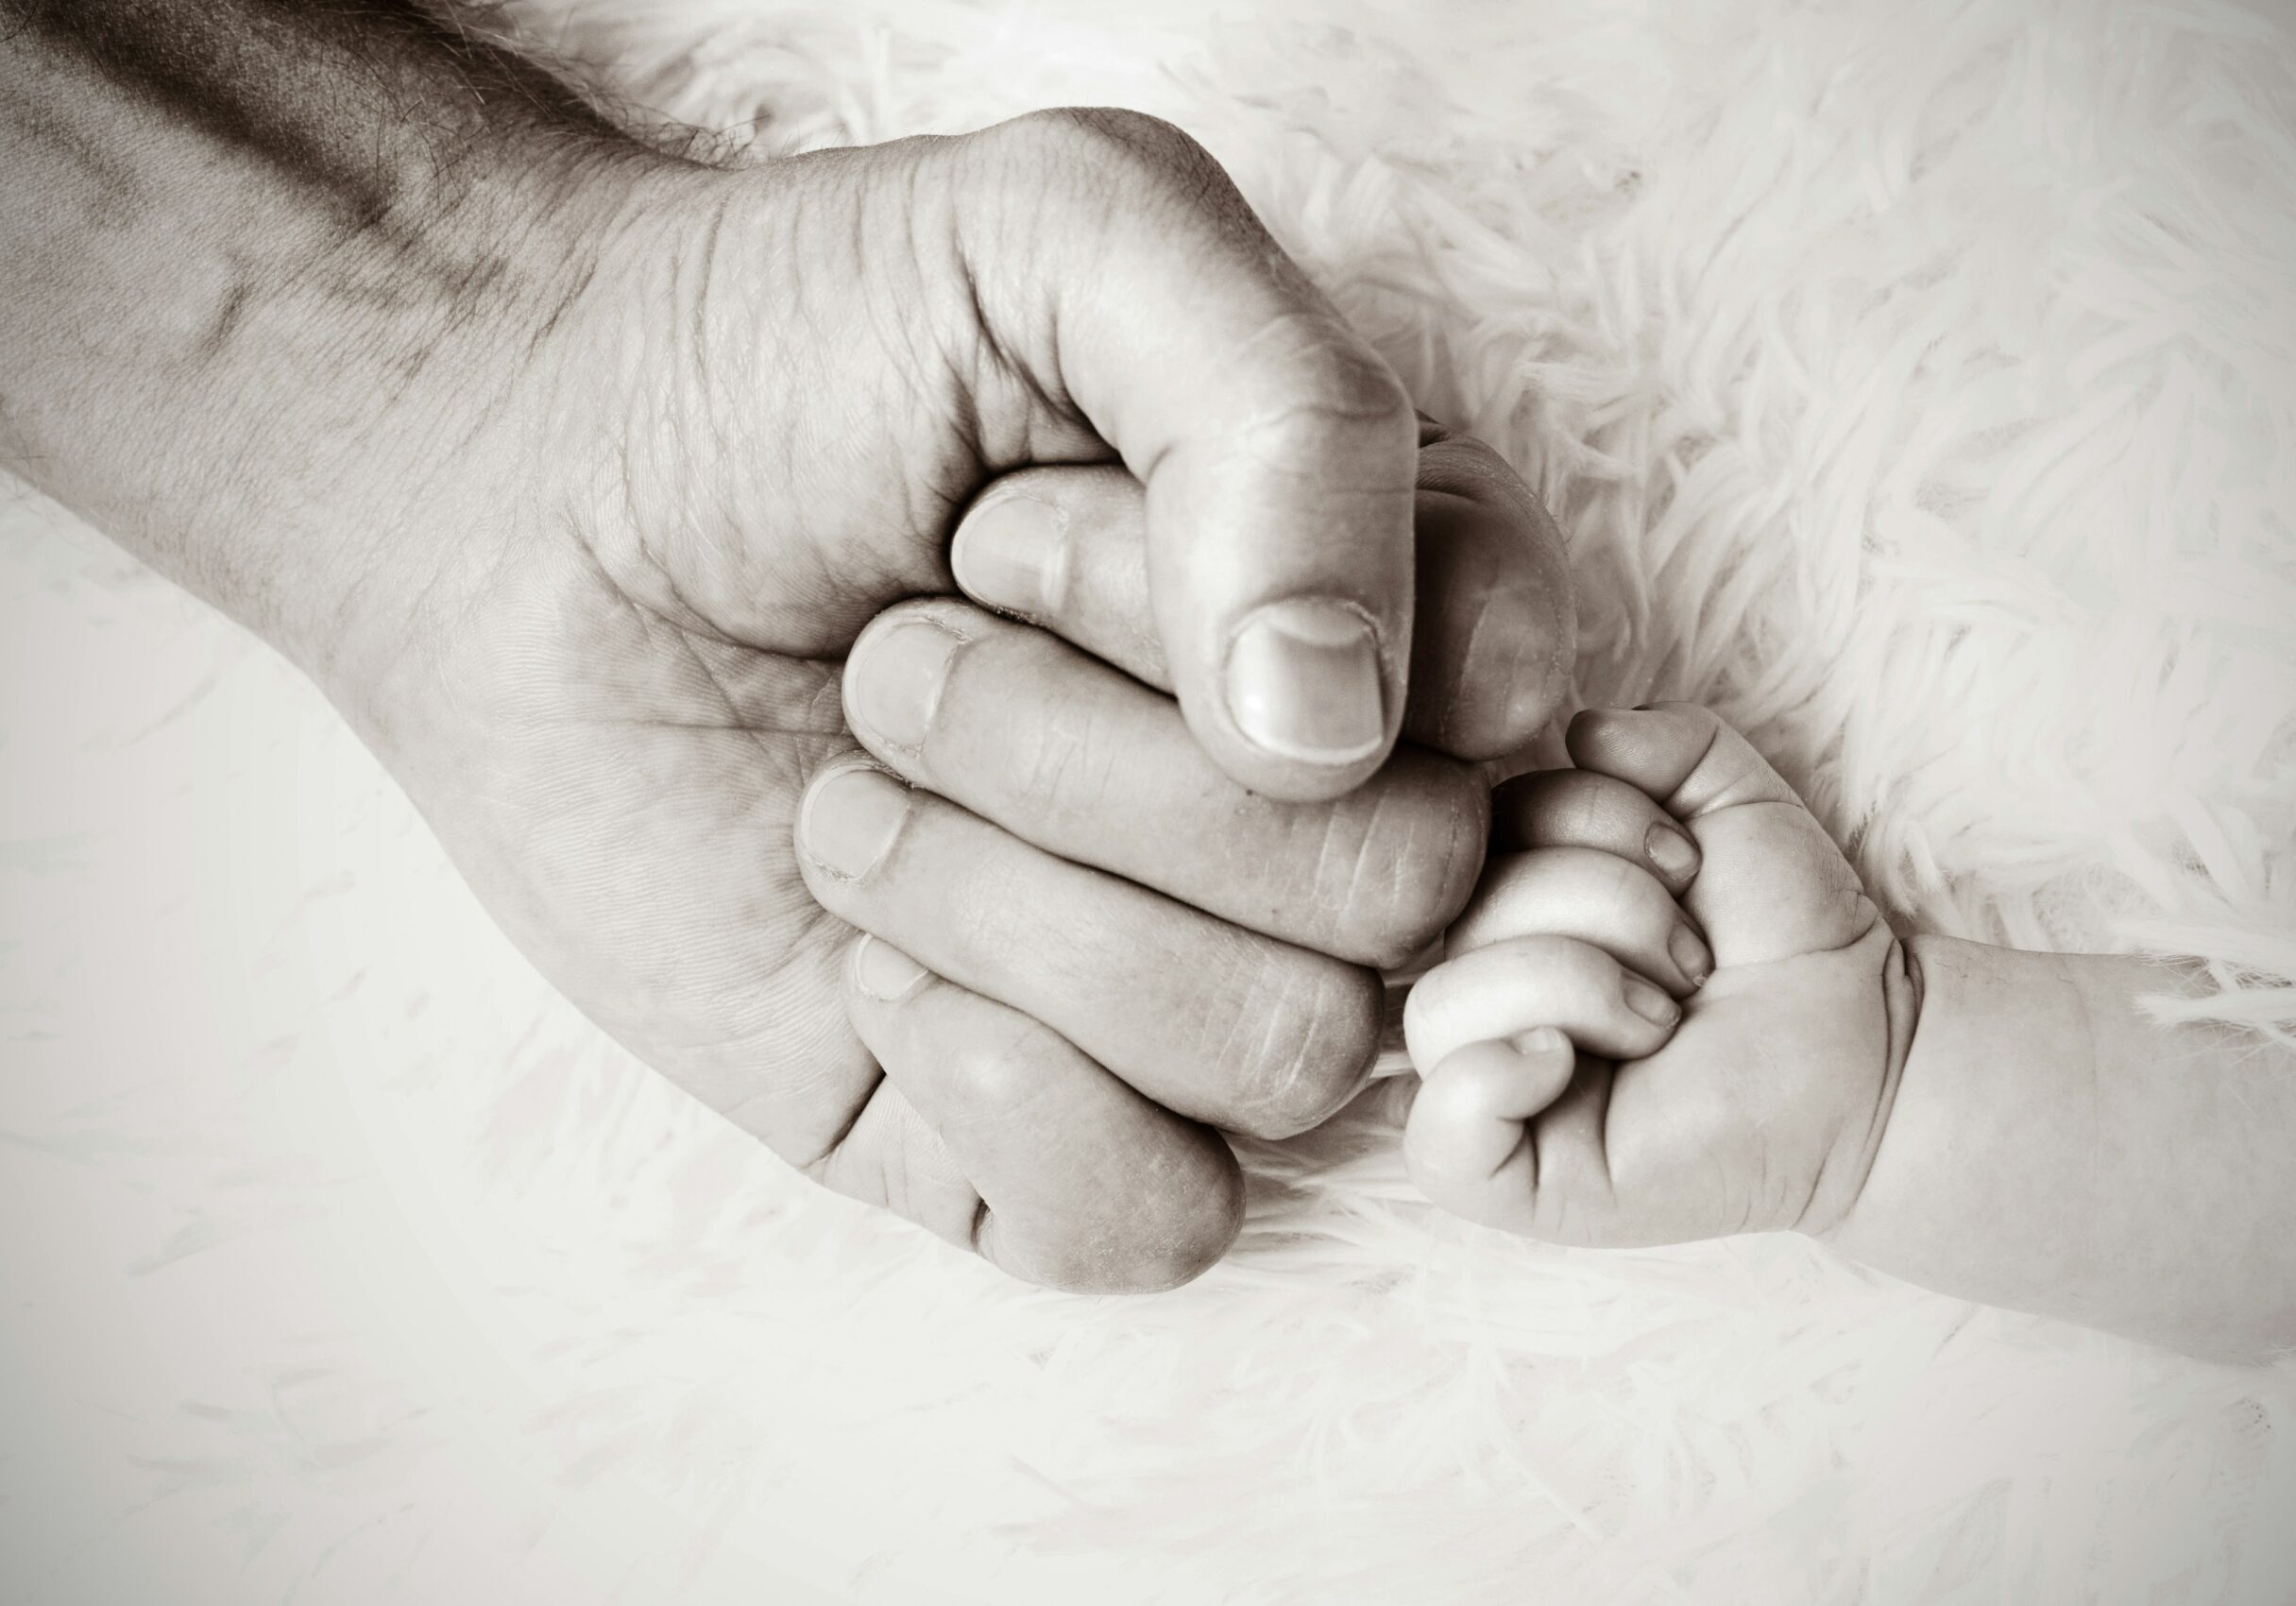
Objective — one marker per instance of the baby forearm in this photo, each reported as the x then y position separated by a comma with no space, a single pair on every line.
2052,1149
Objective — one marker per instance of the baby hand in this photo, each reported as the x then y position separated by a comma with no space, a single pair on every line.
1603,1066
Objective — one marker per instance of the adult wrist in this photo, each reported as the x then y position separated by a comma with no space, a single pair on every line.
457,318
259,313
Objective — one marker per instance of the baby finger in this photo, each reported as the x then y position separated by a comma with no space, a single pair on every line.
1466,1143
1586,809
1595,897
1509,987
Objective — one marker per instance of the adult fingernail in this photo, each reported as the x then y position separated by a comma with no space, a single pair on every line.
1671,850
894,678
884,972
1303,681
1650,1003
1012,553
850,819
1691,955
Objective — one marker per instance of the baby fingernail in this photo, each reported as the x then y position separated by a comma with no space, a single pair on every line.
1542,1041
850,819
884,972
1650,1003
1012,553
1303,681
1691,955
894,678
1671,850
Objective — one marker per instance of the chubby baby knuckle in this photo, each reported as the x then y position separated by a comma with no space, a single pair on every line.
1615,881
1580,970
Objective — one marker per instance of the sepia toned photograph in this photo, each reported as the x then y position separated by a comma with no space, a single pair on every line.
1199,803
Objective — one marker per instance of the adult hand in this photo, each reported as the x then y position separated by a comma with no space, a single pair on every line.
569,470
1105,913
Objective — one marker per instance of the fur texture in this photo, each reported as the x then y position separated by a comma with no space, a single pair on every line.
1917,384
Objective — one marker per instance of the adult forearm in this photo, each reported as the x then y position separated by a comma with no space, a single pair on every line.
239,240
2052,1148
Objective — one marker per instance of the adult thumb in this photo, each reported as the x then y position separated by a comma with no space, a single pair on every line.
1277,449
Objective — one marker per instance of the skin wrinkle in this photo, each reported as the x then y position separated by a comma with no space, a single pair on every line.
1557,1201
1289,1050
1430,890
683,613
1342,853
648,620
1245,1032
620,852
817,928
229,319
955,396
703,272
1413,882
1607,1089
1278,1067
834,1147
1366,875
1047,754
993,349
1900,985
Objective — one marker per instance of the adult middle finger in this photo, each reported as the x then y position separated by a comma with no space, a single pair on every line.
1065,752
1212,1022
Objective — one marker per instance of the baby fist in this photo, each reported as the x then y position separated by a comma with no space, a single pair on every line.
1637,1038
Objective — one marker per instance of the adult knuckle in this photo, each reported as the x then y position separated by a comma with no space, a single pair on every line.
1138,130
1319,376
997,1069
1167,1233
1090,142
1304,1035
1413,861
1061,763
1178,1232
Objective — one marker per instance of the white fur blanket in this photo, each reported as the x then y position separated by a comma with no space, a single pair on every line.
1916,383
